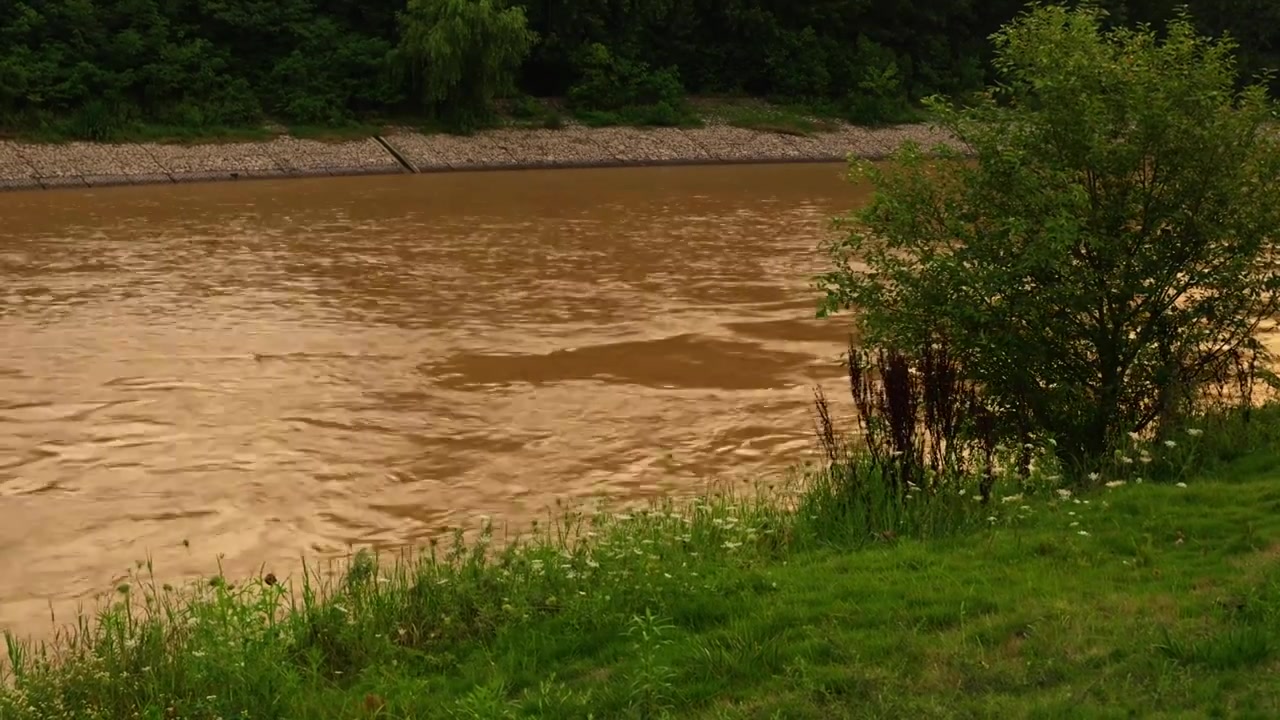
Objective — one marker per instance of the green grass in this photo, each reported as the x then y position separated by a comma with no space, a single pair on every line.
178,135
766,117
528,113
142,133
1145,599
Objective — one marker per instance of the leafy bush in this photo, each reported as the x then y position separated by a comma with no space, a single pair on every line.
1113,246
879,96
631,91
797,66
526,108
330,75
462,54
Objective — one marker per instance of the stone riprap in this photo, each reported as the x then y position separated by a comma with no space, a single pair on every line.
79,164
28,165
598,147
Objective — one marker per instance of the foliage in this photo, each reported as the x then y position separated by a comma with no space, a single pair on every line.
879,96
461,54
630,89
1113,246
109,67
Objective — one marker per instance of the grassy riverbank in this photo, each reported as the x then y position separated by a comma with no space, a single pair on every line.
529,113
1158,597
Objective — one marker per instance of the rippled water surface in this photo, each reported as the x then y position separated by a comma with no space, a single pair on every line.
267,370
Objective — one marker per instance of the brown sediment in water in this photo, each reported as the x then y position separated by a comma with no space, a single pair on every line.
80,164
275,370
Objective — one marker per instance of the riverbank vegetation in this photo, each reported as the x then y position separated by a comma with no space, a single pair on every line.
1113,247
179,68
1063,499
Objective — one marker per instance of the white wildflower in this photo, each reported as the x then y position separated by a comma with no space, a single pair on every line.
1181,484
1064,493
1170,443
1083,533
1094,476
1115,483
1195,432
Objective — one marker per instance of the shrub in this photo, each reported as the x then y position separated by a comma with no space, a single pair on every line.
879,96
797,66
462,54
1113,245
631,90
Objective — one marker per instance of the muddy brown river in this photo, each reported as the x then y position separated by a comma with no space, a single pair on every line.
271,370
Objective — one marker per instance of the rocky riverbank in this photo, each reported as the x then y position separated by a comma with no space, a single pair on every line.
80,164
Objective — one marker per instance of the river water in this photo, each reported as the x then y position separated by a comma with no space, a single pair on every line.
270,370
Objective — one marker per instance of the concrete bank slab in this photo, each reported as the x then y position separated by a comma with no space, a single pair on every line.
731,144
393,169
151,178
817,148
194,176
877,143
89,164
295,155
20,183
633,146
82,158
108,180
13,165
310,173
220,160
63,181
448,152
275,172
552,148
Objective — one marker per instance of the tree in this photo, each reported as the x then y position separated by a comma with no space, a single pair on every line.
462,54
1113,241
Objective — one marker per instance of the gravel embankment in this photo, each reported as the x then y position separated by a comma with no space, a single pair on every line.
33,166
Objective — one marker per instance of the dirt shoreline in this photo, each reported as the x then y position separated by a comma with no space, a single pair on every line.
32,166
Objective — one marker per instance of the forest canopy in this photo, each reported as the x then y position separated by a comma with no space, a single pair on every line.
90,67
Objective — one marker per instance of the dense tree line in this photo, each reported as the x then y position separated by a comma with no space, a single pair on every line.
95,65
